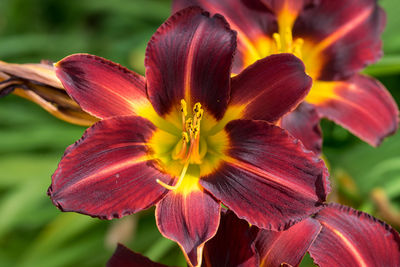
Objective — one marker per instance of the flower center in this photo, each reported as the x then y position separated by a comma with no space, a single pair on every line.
187,150
284,42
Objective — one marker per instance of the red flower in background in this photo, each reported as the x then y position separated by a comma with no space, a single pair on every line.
187,137
336,236
335,40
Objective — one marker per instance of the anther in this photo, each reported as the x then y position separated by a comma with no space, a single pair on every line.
197,108
183,107
189,124
185,137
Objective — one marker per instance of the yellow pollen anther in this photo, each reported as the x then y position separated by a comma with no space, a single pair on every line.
189,124
197,108
183,107
185,137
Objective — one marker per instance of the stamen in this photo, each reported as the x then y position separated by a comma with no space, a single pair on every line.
197,108
277,39
183,107
298,44
183,113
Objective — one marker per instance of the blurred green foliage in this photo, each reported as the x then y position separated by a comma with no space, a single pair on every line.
34,233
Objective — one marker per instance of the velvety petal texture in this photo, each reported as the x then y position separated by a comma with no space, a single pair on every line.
190,61
360,104
270,87
354,238
290,246
109,173
124,257
190,217
344,36
232,245
101,87
303,124
253,25
267,177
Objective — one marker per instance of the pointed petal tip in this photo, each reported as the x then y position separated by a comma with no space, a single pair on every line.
91,81
174,71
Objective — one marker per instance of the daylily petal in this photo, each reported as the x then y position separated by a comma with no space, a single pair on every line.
341,37
109,173
279,6
253,26
267,177
189,57
360,104
101,87
354,238
124,257
303,124
190,217
232,245
287,246
270,88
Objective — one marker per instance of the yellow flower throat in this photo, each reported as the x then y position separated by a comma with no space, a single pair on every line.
187,151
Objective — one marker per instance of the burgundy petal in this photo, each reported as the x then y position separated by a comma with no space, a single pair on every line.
271,87
345,35
124,257
267,177
303,124
251,24
190,218
232,245
108,172
288,246
354,238
101,87
360,104
277,6
189,57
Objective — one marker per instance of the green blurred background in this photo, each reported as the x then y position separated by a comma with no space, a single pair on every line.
34,233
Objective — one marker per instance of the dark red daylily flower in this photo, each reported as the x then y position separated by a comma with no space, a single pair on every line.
187,138
336,236
335,40
39,84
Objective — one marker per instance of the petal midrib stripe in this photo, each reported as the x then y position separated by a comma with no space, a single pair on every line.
269,176
351,248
